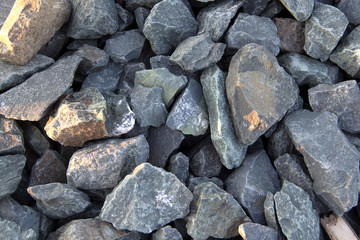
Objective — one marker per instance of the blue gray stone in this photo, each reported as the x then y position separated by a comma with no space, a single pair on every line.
93,58
351,9
300,10
166,233
179,165
255,231
11,167
206,162
255,7
140,16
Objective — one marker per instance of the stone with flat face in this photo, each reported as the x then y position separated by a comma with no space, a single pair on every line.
351,9
206,162
179,165
300,10
126,18
93,59
167,233
291,33
255,231
11,167
11,137
134,4
255,7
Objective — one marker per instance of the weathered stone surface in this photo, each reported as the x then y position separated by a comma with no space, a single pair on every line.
197,53
34,138
291,33
31,100
270,212
214,213
189,113
255,231
250,183
30,25
58,200
162,61
332,161
259,92
323,31
216,18
179,166
230,150
296,215
92,18
134,4
253,29
158,198
125,46
206,162
10,230
161,77
300,10
169,23
55,45
140,16
5,8
126,84
307,71
347,53
11,137
103,165
194,181
12,75
11,167
126,18
92,58
351,9
79,118
255,7
166,233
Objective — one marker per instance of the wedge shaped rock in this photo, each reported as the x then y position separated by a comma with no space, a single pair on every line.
93,59
300,10
11,167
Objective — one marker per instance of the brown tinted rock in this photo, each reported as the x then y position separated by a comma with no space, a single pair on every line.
93,58
30,25
11,139
79,118
291,33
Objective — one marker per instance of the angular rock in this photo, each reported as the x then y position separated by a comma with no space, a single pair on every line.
5,8
103,165
253,29
79,118
11,167
126,18
166,233
93,58
351,9
169,23
255,7
161,61
255,231
259,92
296,215
206,162
179,166
353,139
300,10
29,26
230,150
212,205
250,183
161,77
140,16
158,198
134,4
10,230
197,53
11,137
137,130
55,45
291,34
58,200
34,138
272,9
279,143
126,84
92,19
323,31
330,158
194,181
31,100
125,46
78,43
270,212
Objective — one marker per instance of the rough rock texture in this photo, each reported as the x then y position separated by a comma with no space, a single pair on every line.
206,162
10,230
169,23
179,166
79,118
92,18
30,25
58,200
212,205
140,16
270,212
126,18
255,231
300,10
250,183
31,99
11,167
93,58
103,165
259,92
255,7
11,137
133,4
162,61
166,233
323,31
34,138
5,8
126,84
157,199
296,215
291,34
332,161
279,142
230,150
272,9
194,181
351,9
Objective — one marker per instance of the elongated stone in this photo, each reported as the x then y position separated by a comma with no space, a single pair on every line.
11,137
126,18
167,233
140,16
300,10
11,167
34,138
270,212
255,231
179,166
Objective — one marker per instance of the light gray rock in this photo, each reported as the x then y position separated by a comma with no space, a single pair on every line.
179,165
270,212
5,8
93,58
11,167
351,9
206,162
140,16
279,143
134,4
255,7
166,233
126,18
10,230
300,10
255,231
34,138
11,137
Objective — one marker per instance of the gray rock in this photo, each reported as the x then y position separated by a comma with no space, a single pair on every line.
148,106
58,200
126,18
11,137
5,8
346,54
307,71
140,16
296,215
279,142
125,46
194,181
272,9
34,138
291,33
126,84
161,61
253,29
92,18
354,140
12,75
169,23
301,11
214,213
332,161
215,19
158,198
255,7
10,230
31,100
230,150
166,233
55,45
258,96
270,212
134,4
11,167
351,9
255,231
206,162
197,53
250,183
161,77
179,166
323,31
93,58
77,43
103,165
137,130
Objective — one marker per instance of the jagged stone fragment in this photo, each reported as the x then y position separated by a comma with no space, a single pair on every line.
351,9
291,34
194,181
126,84
166,233
300,10
179,166
134,4
272,9
279,143
11,137
206,162
92,58
34,138
255,231
126,18
11,167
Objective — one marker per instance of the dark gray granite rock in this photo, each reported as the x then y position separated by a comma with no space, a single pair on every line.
351,9
77,43
229,148
307,71
296,215
157,199
55,45
93,58
214,213
126,84
31,100
134,4
255,7
5,8
179,166
169,23
300,10
148,106
126,18
270,212
34,138
259,91
330,158
255,231
253,29
125,46
11,167
323,31
10,230
279,142
206,162
291,33
166,233
272,9
250,183
194,181
11,137
162,61
103,165
140,16
92,19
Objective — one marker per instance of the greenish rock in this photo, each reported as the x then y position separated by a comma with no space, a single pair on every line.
9,230
11,137
255,231
11,167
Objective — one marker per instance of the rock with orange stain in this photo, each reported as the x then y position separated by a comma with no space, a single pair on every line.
29,26
11,138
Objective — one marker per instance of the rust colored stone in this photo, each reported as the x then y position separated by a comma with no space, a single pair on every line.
291,33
